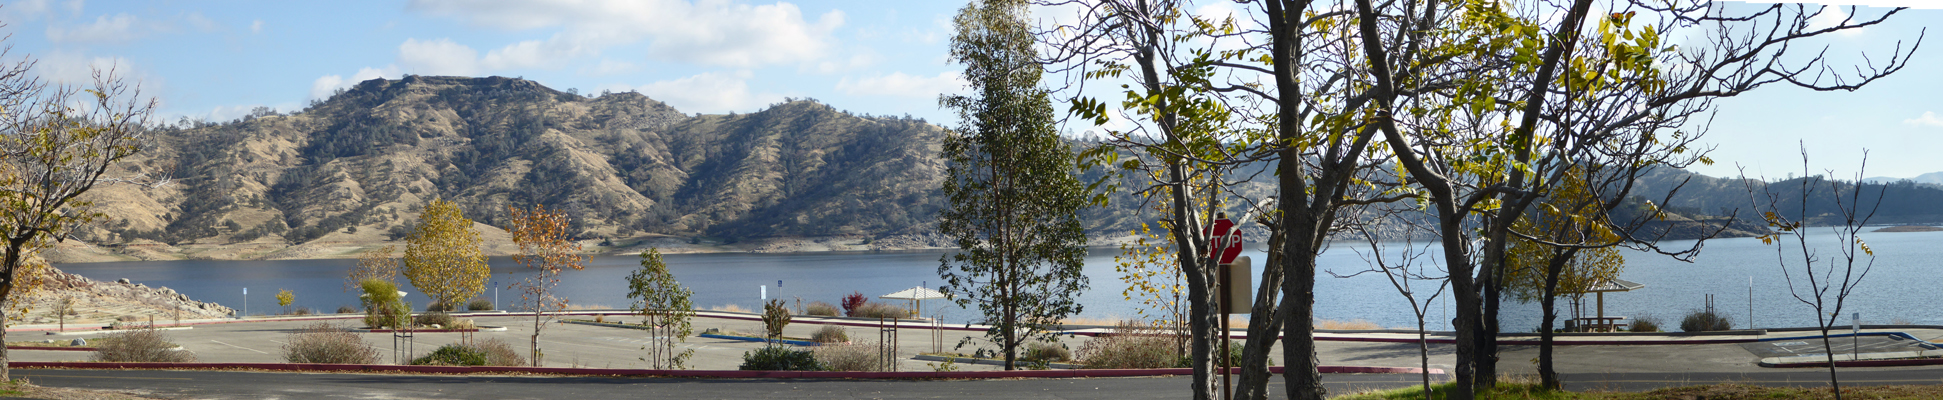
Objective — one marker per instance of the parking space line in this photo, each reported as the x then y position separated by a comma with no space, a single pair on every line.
240,347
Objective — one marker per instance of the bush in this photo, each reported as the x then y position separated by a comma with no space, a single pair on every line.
140,345
500,353
1129,346
347,310
821,309
880,310
453,354
1645,324
830,334
300,311
1046,352
1701,321
855,358
431,318
479,305
481,352
325,343
383,308
440,308
852,301
780,358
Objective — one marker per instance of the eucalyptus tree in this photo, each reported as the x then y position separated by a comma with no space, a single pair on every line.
1014,200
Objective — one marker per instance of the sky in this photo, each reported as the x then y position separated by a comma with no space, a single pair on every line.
217,60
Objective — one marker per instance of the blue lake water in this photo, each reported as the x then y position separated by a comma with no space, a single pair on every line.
1898,288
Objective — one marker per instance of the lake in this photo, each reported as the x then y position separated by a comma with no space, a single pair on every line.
1897,288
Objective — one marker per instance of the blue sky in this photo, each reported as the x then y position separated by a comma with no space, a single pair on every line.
219,59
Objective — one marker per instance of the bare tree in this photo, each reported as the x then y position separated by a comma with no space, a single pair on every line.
1822,285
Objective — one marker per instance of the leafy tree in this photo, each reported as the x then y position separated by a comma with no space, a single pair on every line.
56,143
383,308
1013,201
442,257
664,303
545,248
775,316
284,298
1563,245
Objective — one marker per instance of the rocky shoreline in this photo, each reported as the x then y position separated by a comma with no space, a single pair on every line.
106,302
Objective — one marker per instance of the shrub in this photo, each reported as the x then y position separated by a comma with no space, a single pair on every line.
346,310
852,301
775,316
1701,321
300,311
862,357
439,307
383,307
830,334
1130,345
779,358
821,309
880,310
481,352
453,354
140,345
1645,323
428,319
325,343
500,353
1046,352
479,305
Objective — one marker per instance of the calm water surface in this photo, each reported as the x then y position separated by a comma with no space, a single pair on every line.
1898,288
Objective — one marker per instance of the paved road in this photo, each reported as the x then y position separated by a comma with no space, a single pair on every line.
259,385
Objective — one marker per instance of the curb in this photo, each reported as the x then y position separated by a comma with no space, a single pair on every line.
50,348
750,339
1070,373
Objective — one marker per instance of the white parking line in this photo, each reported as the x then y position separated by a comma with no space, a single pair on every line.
240,347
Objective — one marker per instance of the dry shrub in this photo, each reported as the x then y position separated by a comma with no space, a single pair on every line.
862,357
326,343
1646,323
821,309
479,305
346,310
1702,321
441,319
1357,325
140,345
730,308
830,334
462,323
1131,345
1046,352
500,353
880,310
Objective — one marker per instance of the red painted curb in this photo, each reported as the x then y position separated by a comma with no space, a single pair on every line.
1070,373
1554,343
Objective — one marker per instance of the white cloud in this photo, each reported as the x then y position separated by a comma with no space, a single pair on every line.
437,57
201,23
711,92
118,28
609,67
708,32
256,26
64,67
904,85
326,85
1929,119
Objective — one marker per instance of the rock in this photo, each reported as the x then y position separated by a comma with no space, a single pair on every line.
123,281
78,342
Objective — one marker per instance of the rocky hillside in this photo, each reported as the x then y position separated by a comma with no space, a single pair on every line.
355,170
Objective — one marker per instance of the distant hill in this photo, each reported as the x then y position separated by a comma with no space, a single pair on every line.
354,170
1902,201
1933,178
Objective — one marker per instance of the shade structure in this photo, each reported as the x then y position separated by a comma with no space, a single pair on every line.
1611,285
917,295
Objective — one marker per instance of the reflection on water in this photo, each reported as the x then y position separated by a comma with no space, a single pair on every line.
1893,290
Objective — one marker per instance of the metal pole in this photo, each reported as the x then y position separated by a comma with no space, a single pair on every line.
1750,302
1227,389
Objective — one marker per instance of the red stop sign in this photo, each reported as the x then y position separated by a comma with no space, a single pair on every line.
1226,241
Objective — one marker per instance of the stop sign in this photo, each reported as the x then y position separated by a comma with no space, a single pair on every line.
1226,241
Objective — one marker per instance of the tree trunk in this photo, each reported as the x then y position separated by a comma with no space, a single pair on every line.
1547,374
1265,321
1834,385
1303,379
